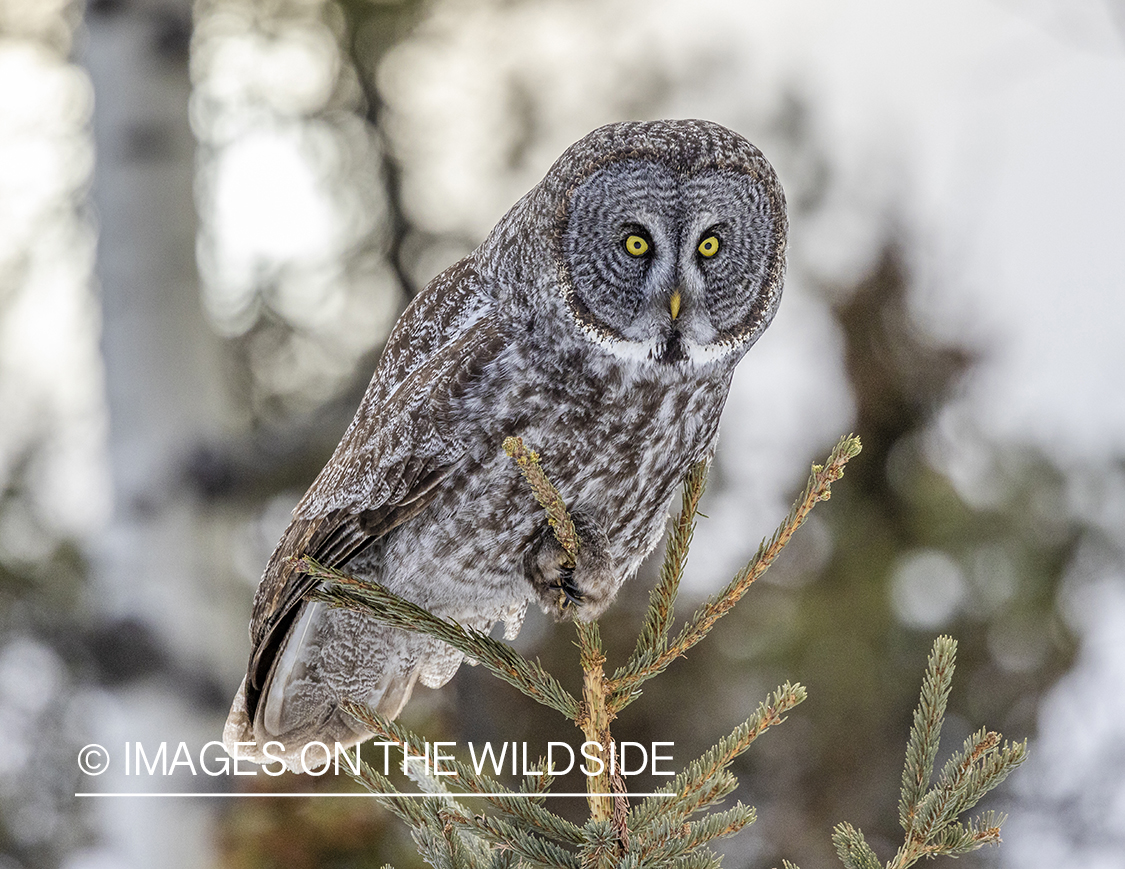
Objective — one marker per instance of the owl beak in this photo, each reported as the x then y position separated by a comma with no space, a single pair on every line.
674,304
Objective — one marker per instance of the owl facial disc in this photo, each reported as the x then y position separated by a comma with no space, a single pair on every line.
668,260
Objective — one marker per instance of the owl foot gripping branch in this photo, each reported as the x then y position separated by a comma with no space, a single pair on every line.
600,321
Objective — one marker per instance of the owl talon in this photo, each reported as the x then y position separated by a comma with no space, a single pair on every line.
571,594
580,590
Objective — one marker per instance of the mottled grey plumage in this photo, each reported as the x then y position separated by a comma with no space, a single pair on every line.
614,365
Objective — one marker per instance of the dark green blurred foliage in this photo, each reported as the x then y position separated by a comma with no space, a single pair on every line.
40,572
309,834
370,31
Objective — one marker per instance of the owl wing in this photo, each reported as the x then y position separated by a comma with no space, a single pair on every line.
388,467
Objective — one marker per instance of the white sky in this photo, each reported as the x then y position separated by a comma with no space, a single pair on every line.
1004,124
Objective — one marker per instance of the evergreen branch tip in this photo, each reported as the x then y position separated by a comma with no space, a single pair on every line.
545,493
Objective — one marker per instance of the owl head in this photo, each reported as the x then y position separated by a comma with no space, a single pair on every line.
667,240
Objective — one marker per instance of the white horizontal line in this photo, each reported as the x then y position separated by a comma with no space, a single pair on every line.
321,795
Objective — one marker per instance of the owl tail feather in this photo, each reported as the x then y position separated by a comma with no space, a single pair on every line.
298,719
311,746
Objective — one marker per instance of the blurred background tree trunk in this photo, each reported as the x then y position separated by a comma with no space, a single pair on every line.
158,583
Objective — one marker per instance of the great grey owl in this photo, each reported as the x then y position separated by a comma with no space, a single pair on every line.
601,321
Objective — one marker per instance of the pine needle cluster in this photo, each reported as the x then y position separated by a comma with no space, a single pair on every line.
675,826
929,813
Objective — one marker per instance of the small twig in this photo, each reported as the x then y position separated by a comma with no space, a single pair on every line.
658,619
546,494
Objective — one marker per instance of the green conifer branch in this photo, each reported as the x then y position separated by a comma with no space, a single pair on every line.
519,809
819,488
985,829
659,831
719,825
853,849
460,840
702,783
658,619
546,494
500,658
653,639
446,832
602,848
925,730
527,846
685,838
971,773
702,858
945,802
408,809
929,815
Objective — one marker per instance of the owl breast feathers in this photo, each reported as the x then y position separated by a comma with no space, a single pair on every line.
601,321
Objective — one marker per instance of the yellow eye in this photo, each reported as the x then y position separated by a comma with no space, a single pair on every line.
636,245
709,246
